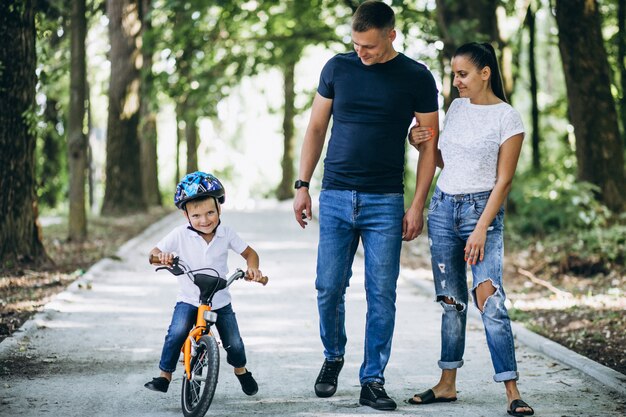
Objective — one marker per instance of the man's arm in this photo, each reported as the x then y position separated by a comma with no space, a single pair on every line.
414,219
311,150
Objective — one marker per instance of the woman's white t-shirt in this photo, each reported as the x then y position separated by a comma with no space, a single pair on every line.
196,253
470,143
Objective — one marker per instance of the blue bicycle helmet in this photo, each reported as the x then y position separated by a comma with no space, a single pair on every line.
198,184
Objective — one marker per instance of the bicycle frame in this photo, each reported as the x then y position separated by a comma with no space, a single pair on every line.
199,330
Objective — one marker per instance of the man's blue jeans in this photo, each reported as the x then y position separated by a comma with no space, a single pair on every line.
376,219
184,318
451,220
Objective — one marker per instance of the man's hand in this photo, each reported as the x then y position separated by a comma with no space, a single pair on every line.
302,206
412,224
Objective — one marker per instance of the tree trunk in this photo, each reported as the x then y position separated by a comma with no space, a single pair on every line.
20,237
180,134
90,165
148,128
49,174
621,60
124,188
77,140
191,136
285,189
460,22
599,149
532,69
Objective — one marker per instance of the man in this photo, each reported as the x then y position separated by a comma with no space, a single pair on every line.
372,95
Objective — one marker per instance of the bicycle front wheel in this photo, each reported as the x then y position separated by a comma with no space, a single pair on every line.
197,393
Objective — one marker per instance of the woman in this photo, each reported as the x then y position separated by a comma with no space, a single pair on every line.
478,151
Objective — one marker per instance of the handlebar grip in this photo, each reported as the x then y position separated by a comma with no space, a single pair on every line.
154,260
264,280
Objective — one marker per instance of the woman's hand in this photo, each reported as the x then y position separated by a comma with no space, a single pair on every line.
419,135
475,246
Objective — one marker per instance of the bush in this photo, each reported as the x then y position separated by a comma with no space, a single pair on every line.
555,211
545,204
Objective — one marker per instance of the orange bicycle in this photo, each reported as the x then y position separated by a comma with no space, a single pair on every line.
200,352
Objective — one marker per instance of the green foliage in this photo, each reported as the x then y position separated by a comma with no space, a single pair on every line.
50,116
545,203
562,219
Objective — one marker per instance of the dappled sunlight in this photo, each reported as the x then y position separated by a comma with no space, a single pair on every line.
99,308
600,301
128,349
418,273
252,309
285,245
123,290
61,324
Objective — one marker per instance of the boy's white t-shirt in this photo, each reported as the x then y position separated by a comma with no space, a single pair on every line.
194,250
470,143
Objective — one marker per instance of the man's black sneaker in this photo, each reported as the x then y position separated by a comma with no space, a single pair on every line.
248,384
158,384
373,394
326,382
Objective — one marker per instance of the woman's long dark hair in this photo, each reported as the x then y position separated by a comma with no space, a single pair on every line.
483,55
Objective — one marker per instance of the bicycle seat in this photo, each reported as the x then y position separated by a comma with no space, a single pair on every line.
208,285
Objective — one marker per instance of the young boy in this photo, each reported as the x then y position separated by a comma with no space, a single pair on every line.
203,243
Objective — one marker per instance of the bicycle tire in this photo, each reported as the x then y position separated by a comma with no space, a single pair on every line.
197,393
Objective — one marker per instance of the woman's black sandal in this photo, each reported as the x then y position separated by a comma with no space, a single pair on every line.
428,397
515,404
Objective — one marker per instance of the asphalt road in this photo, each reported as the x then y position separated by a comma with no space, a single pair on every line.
89,352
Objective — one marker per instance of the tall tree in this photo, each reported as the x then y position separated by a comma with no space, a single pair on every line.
285,188
124,187
201,39
20,239
53,61
532,70
599,149
290,27
461,22
621,60
77,140
147,124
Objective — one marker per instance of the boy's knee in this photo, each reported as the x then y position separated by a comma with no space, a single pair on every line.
177,332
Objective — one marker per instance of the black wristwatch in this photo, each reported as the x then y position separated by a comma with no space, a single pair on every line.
300,184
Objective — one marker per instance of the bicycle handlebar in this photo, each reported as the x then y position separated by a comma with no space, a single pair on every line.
154,260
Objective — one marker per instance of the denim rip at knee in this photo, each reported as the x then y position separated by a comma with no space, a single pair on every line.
451,220
345,218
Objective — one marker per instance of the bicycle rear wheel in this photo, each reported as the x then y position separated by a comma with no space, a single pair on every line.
197,393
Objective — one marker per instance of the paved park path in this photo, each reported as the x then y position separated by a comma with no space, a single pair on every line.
89,352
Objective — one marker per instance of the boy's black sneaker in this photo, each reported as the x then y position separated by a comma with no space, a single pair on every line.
160,384
248,384
326,382
373,394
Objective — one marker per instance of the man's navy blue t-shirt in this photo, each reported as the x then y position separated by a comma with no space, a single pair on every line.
372,109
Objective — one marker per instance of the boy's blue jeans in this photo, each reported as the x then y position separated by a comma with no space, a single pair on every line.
184,318
451,220
376,219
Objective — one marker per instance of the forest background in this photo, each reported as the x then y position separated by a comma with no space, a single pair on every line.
104,105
